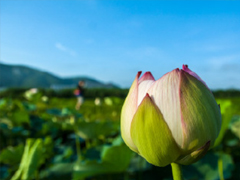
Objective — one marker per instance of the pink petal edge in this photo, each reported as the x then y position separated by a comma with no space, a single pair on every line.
138,74
146,76
186,69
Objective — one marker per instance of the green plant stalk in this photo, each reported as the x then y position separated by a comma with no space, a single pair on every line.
88,145
78,147
176,171
220,168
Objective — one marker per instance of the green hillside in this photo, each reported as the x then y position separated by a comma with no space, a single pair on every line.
25,77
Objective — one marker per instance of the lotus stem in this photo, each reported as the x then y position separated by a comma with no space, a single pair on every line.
176,171
78,147
220,168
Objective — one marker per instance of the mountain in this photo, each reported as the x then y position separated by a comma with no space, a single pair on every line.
25,77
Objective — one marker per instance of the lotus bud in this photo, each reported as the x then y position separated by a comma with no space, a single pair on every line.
172,119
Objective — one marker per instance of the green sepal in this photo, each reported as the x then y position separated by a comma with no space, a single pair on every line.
200,113
152,136
194,156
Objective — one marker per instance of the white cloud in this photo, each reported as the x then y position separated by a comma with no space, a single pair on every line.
222,72
219,61
231,67
65,49
60,47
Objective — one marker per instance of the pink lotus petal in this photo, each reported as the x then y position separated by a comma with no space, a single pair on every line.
143,88
165,94
128,110
146,76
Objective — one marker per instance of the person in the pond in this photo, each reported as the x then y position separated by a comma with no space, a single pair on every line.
79,93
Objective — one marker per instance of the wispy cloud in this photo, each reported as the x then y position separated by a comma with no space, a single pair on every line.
65,49
224,64
233,67
218,61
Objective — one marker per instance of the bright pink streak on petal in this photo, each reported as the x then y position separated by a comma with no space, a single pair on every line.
186,69
146,76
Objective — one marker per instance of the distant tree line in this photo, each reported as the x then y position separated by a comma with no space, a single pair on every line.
66,93
93,93
226,93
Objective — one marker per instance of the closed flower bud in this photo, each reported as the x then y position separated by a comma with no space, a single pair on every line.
172,119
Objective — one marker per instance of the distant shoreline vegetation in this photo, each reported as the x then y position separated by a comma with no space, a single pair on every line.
66,93
96,92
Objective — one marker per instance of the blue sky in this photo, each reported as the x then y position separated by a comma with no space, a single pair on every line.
111,40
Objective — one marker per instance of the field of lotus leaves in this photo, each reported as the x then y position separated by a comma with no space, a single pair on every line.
43,137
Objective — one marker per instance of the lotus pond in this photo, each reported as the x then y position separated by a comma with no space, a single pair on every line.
44,137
